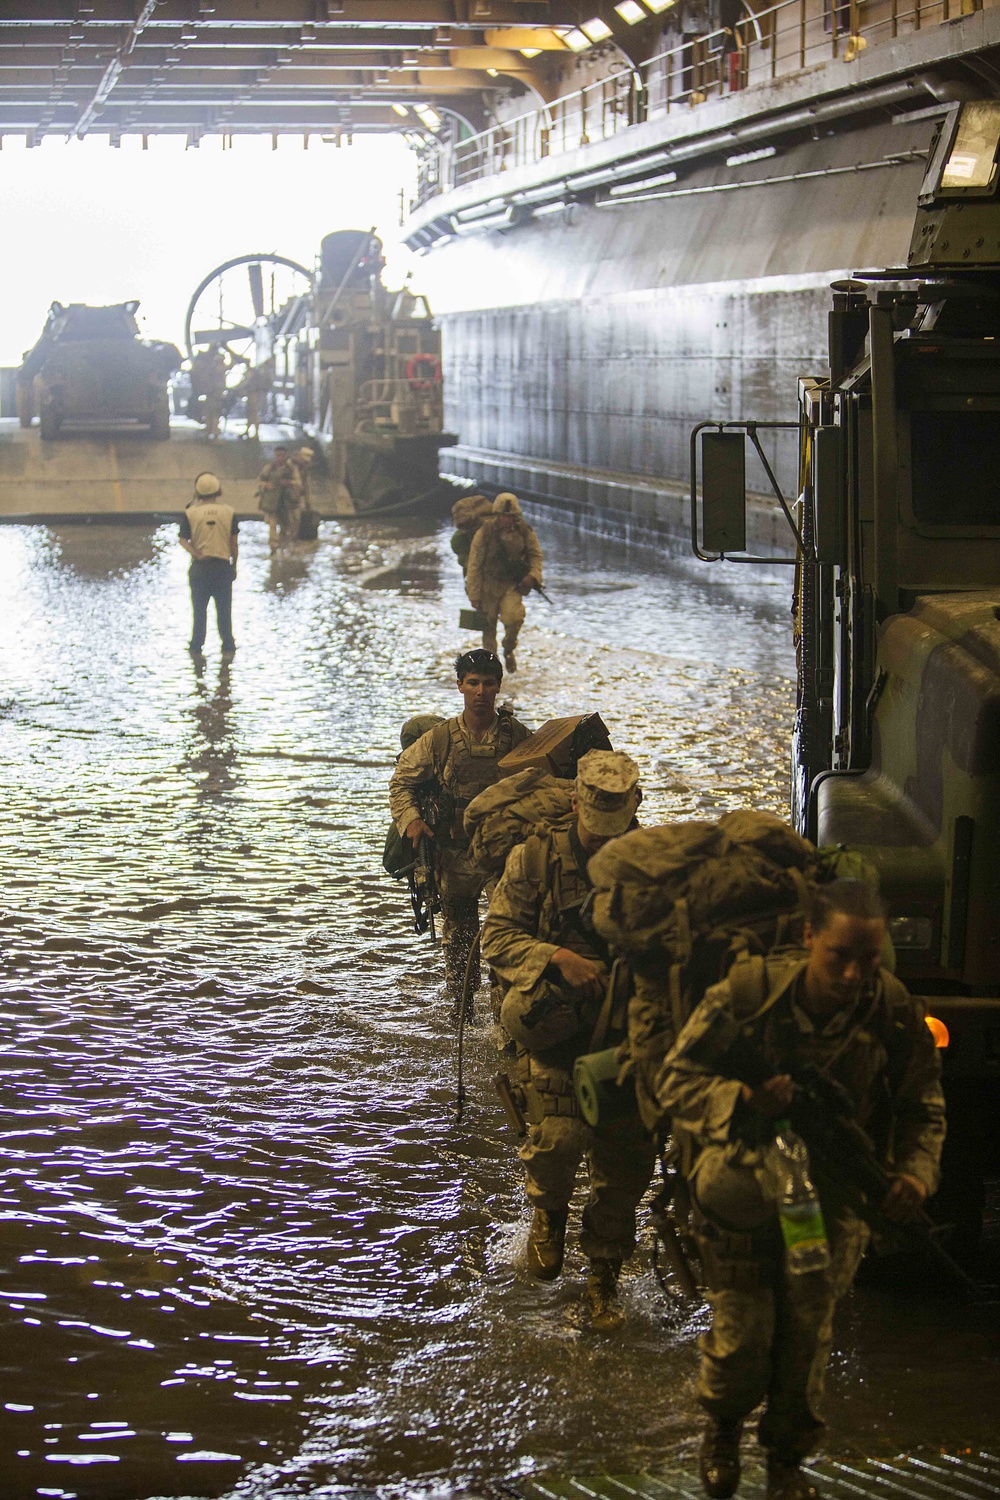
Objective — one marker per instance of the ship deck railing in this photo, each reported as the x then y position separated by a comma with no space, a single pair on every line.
788,37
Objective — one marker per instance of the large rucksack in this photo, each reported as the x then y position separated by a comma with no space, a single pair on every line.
398,856
680,902
507,813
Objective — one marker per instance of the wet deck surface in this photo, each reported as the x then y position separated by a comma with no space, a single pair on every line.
245,1249
102,472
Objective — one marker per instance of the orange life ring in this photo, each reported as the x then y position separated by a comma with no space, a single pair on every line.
416,364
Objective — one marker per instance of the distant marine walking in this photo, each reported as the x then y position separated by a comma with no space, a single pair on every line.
505,563
279,495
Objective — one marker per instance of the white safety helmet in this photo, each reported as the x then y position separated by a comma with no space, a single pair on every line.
207,485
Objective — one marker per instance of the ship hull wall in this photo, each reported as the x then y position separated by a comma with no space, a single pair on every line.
581,348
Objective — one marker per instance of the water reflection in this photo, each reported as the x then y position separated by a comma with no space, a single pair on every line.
105,550
211,755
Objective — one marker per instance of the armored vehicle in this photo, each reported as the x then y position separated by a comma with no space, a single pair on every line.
91,367
897,609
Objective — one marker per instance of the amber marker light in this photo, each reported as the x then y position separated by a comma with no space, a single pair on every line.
938,1031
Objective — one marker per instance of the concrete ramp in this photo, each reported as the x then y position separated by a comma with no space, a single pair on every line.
124,472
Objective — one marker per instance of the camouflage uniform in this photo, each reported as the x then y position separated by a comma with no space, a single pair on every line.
208,386
526,924
453,768
771,1331
279,495
498,561
256,387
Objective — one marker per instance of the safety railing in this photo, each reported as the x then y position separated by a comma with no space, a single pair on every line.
411,404
787,37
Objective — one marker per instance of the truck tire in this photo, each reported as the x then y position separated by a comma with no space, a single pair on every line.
159,427
49,422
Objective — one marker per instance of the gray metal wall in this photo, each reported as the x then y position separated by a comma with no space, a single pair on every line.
591,342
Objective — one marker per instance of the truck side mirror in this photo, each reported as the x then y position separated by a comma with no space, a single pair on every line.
828,495
724,491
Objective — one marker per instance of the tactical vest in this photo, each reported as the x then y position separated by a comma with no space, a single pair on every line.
211,523
546,1077
463,771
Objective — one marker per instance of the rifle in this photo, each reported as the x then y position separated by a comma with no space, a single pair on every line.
425,898
825,1115
536,588
424,895
665,1224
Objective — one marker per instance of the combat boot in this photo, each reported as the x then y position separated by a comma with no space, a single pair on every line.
786,1480
546,1243
509,661
602,1294
719,1460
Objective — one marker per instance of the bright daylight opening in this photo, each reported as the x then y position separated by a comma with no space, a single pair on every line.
89,223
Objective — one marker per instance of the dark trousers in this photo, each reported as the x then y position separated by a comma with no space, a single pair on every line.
211,578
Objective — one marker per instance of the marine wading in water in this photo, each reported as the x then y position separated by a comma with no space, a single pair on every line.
433,784
661,948
504,564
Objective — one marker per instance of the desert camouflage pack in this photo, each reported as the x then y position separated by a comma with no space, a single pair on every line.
681,902
504,815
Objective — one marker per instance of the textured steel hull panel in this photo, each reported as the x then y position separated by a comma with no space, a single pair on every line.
599,343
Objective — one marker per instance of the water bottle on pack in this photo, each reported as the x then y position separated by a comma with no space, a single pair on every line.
806,1244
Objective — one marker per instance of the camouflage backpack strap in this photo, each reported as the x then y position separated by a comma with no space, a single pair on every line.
441,745
505,732
750,986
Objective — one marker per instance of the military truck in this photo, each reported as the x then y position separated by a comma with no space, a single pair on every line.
897,610
91,367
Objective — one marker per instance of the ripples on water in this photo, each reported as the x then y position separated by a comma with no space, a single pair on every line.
245,1249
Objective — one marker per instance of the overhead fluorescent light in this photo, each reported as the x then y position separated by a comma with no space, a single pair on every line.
742,157
595,29
630,12
493,72
575,39
427,116
658,6
549,208
621,189
530,51
401,109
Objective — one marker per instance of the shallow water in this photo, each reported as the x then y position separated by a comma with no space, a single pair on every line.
246,1250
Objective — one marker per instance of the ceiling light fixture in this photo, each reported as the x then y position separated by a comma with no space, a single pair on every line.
658,6
631,12
427,116
596,29
742,157
401,109
575,39
530,51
